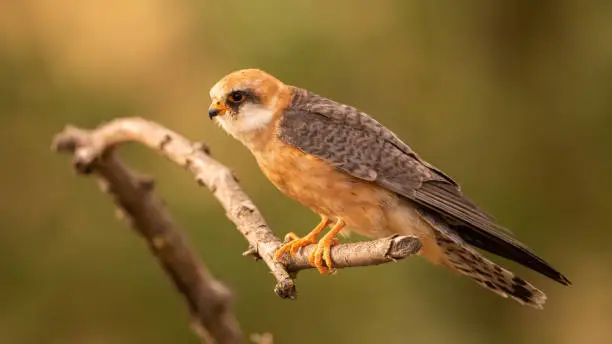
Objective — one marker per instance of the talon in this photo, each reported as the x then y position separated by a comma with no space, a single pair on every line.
315,260
318,261
320,257
322,254
290,237
327,253
295,242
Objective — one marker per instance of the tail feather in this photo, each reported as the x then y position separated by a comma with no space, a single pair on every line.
469,262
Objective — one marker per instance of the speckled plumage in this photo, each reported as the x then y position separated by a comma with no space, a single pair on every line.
345,165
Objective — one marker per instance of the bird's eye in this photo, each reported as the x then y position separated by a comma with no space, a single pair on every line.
236,97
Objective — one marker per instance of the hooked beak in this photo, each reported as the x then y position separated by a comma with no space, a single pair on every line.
216,109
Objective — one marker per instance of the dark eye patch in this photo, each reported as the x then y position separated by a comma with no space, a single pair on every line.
237,98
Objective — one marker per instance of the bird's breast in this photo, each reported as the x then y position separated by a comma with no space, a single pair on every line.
300,176
319,185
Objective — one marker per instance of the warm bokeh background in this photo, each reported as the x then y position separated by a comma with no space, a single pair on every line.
512,98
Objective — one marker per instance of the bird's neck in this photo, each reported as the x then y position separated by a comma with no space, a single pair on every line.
257,140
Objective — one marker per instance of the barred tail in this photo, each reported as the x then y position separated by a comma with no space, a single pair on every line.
469,262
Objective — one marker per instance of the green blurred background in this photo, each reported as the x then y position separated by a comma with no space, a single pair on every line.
512,98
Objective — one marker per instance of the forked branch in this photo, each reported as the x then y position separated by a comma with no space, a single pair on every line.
208,299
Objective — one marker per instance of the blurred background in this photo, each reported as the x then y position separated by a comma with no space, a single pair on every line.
512,98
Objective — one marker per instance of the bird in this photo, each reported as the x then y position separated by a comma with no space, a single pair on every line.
358,176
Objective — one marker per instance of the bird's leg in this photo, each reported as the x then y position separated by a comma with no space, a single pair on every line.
323,251
296,242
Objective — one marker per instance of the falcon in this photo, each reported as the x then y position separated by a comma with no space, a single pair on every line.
359,176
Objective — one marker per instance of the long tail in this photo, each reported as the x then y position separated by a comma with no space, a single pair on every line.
469,262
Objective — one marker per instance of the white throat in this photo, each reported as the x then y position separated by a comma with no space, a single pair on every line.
252,117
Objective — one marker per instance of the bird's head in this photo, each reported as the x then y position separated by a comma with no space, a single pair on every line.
246,101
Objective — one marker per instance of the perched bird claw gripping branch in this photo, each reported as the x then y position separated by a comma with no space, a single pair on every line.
357,174
322,252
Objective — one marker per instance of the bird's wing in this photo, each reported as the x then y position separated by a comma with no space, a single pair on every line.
357,144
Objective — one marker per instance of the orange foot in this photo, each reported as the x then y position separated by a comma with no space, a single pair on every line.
296,242
322,254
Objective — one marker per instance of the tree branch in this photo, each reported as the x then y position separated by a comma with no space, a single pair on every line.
363,253
93,152
208,300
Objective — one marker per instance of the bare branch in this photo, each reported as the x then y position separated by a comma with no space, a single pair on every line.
365,253
239,208
208,300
